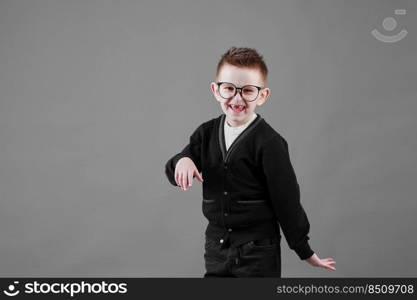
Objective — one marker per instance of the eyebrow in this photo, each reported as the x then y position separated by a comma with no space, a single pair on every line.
219,81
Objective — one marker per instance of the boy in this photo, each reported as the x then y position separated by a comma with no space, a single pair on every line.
250,189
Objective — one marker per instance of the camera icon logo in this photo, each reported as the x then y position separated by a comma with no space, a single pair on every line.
390,24
12,289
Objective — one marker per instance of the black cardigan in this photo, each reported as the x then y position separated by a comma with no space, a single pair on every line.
249,190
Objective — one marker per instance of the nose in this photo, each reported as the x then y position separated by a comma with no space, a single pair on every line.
239,99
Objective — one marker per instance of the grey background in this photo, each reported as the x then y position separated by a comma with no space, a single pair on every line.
95,96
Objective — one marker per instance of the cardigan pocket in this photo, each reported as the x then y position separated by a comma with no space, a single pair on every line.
251,202
253,249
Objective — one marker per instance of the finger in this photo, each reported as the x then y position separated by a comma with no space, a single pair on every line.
184,181
180,180
197,174
329,267
190,178
328,258
176,178
325,260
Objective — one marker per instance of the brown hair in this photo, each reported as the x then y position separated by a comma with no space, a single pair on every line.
244,57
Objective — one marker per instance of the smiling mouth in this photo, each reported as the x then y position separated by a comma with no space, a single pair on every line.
237,108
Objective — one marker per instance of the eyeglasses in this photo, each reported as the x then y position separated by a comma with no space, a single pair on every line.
228,90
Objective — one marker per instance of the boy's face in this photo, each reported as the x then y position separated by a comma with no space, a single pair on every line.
239,76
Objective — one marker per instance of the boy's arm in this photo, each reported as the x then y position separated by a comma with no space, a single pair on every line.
192,150
284,193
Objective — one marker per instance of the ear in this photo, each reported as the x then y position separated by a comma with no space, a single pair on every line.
214,90
213,87
263,96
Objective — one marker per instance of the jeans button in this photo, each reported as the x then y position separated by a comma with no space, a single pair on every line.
230,229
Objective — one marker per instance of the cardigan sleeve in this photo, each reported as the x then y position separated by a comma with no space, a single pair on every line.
284,193
192,150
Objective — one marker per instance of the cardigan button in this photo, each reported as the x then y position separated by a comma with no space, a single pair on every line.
226,214
225,192
221,241
230,229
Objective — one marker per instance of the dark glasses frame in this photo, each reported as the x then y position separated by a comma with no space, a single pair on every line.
219,83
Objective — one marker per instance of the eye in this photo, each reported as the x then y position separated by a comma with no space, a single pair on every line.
249,90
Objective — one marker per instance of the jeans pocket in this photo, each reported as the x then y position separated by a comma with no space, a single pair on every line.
212,250
264,243
210,243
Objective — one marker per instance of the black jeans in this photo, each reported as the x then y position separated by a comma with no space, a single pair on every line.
260,258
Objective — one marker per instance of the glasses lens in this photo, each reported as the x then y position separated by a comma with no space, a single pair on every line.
249,93
227,90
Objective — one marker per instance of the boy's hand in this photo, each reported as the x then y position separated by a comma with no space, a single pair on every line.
185,170
325,263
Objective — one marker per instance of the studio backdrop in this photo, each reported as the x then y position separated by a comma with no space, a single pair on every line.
96,96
